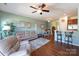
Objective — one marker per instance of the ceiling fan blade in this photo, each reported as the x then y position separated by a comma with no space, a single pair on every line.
43,5
34,11
33,7
45,10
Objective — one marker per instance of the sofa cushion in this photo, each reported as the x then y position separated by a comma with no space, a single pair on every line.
33,35
21,35
15,47
11,41
27,34
21,52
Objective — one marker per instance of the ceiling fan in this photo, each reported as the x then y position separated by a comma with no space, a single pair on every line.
40,8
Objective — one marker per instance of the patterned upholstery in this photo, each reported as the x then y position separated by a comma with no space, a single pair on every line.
26,35
24,49
20,35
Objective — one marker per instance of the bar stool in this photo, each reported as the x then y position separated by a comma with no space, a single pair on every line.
59,38
68,38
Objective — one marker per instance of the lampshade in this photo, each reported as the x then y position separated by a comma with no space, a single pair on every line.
39,11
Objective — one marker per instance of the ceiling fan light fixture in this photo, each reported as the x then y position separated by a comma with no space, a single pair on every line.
39,11
34,5
48,20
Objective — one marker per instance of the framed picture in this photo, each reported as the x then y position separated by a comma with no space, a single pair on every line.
42,26
20,24
27,24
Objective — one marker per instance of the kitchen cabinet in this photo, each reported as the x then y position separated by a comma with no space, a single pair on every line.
72,24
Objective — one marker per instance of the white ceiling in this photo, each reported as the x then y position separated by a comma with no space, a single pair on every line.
56,10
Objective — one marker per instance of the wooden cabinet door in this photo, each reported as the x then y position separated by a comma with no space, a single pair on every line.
72,21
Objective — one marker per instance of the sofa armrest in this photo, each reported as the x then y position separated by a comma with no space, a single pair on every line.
24,49
21,52
1,54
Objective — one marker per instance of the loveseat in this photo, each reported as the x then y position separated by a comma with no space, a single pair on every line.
11,46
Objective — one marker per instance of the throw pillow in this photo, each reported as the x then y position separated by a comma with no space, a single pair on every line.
15,47
11,41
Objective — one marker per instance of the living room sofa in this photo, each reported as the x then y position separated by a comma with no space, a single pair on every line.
28,35
11,46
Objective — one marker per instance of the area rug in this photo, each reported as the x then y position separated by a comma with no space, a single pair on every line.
37,43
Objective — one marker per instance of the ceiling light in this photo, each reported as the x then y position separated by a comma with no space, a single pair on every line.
39,11
65,14
34,5
48,20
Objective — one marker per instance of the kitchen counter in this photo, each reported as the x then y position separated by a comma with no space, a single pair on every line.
75,37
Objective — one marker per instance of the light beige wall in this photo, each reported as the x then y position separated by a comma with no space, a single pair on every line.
63,23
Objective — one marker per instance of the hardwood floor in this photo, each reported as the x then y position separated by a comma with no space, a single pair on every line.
56,49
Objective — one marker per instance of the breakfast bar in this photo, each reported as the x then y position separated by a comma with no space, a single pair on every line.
75,37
